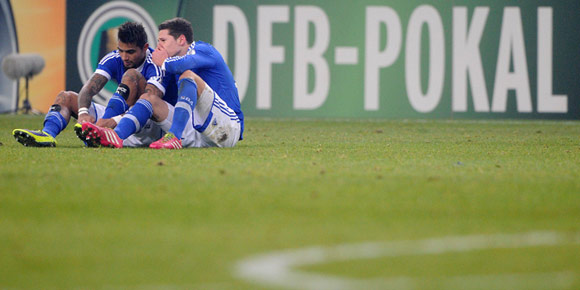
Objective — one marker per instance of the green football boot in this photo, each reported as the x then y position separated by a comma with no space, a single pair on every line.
33,138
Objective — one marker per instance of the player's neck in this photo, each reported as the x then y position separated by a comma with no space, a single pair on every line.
183,50
140,63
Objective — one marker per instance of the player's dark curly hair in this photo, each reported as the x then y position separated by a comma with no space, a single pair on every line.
178,26
134,33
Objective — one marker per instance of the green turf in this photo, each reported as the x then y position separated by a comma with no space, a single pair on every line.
99,218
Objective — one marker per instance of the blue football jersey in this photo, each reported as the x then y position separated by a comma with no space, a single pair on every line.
204,60
111,66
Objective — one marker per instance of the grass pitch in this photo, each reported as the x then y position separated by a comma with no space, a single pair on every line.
99,218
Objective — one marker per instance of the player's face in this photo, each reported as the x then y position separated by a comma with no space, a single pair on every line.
168,43
131,54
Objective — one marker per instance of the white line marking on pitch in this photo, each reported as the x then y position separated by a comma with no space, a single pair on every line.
277,269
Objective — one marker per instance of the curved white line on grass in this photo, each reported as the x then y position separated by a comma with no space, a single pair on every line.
278,268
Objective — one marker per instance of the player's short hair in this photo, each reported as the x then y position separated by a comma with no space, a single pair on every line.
178,26
133,33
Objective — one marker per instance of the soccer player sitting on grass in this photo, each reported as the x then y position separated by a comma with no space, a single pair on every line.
207,112
130,66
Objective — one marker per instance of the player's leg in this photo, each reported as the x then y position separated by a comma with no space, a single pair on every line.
132,85
55,121
150,133
149,106
96,111
169,141
190,87
214,124
218,124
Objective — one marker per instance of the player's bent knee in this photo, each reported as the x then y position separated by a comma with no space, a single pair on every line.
66,99
65,95
149,97
153,99
188,75
133,74
193,76
199,82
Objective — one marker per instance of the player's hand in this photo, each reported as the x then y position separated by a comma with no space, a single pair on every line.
107,123
85,118
159,56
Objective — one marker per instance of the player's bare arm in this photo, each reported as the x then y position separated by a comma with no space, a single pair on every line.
88,91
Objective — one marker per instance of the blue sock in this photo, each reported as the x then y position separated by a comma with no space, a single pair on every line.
54,123
134,119
184,106
116,106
